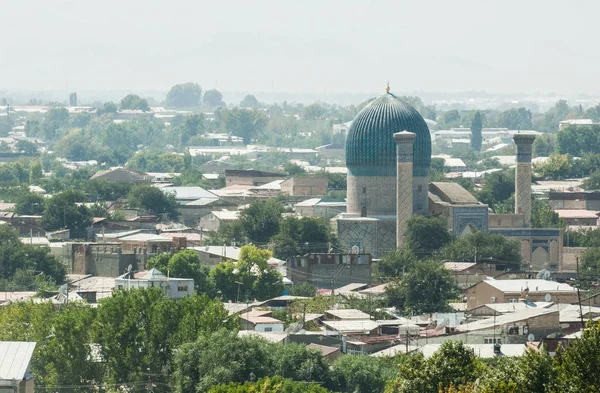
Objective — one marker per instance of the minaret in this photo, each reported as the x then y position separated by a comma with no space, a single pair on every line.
523,176
404,182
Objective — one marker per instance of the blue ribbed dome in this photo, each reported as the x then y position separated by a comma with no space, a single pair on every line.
370,146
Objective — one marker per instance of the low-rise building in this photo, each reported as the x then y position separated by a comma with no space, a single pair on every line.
250,177
507,291
305,186
175,288
15,367
321,268
578,200
578,217
213,220
260,321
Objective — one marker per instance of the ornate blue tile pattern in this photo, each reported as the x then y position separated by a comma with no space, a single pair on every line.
370,146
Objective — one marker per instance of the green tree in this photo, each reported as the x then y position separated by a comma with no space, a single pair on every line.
544,145
244,123
153,199
557,167
26,147
450,119
305,289
577,371
453,364
476,127
362,374
30,204
516,119
213,98
395,263
270,385
427,287
186,95
62,211
250,101
543,216
17,258
62,355
485,247
592,182
498,187
35,172
134,102
185,264
220,358
261,220
109,107
426,235
139,330
313,112
297,236
258,280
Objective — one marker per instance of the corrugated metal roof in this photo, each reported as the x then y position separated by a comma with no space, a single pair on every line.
14,359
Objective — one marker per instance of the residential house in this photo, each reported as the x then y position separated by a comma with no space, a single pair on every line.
175,288
578,217
260,321
329,353
15,367
305,186
185,195
506,291
213,255
466,274
213,220
332,151
250,177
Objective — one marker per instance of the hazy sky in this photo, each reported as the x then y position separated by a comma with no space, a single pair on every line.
305,46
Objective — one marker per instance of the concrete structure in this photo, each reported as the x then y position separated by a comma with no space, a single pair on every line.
466,274
507,291
329,353
305,186
15,370
484,351
580,200
465,214
250,177
524,144
578,217
175,288
330,270
404,183
185,195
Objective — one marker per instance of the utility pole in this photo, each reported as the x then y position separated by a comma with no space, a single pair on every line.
579,294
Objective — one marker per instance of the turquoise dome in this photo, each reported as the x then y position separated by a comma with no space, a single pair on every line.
370,146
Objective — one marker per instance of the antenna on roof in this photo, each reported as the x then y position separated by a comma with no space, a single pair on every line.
387,89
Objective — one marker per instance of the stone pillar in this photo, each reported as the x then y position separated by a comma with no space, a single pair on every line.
404,182
523,177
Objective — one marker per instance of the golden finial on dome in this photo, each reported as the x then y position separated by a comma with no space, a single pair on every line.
387,89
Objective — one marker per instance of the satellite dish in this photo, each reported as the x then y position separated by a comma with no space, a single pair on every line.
531,337
355,249
548,297
543,274
63,289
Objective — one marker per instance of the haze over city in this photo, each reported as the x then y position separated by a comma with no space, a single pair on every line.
311,46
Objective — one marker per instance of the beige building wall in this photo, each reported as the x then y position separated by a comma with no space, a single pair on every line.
505,221
305,186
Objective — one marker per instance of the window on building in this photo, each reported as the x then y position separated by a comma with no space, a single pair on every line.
119,287
268,329
420,188
492,340
363,211
182,289
364,190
